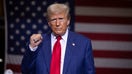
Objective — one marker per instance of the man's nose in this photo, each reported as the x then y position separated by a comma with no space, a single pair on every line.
57,22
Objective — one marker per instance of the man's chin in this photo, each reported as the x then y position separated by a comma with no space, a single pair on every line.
59,33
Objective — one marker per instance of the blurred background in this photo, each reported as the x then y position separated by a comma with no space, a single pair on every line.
2,38
108,23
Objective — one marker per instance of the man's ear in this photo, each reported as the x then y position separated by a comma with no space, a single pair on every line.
49,24
68,23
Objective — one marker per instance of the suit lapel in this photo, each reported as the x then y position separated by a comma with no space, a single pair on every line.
68,53
47,50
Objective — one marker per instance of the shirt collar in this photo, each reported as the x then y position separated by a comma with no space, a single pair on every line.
64,37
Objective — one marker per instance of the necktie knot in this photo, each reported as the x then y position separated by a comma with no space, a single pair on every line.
58,38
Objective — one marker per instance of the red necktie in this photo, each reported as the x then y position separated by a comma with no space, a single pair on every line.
56,57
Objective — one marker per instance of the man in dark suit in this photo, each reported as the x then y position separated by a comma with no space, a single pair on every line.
76,50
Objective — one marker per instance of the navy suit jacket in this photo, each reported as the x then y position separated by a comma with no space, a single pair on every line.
78,56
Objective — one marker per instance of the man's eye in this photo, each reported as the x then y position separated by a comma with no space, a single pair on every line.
53,20
60,18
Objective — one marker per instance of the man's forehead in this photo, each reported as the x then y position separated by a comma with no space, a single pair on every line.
58,15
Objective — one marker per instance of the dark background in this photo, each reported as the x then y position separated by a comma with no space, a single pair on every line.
2,37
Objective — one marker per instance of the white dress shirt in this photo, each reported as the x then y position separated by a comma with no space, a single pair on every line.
63,42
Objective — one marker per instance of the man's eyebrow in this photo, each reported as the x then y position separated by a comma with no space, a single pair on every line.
61,18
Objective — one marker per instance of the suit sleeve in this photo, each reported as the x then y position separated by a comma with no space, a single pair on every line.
28,61
89,59
28,64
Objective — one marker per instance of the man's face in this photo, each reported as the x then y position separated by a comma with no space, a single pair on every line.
58,23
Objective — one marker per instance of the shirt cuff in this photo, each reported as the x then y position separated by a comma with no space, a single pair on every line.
33,49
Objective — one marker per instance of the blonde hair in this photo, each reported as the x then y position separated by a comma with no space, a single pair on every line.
57,8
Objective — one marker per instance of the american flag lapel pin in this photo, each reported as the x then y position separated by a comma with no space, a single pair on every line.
73,44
